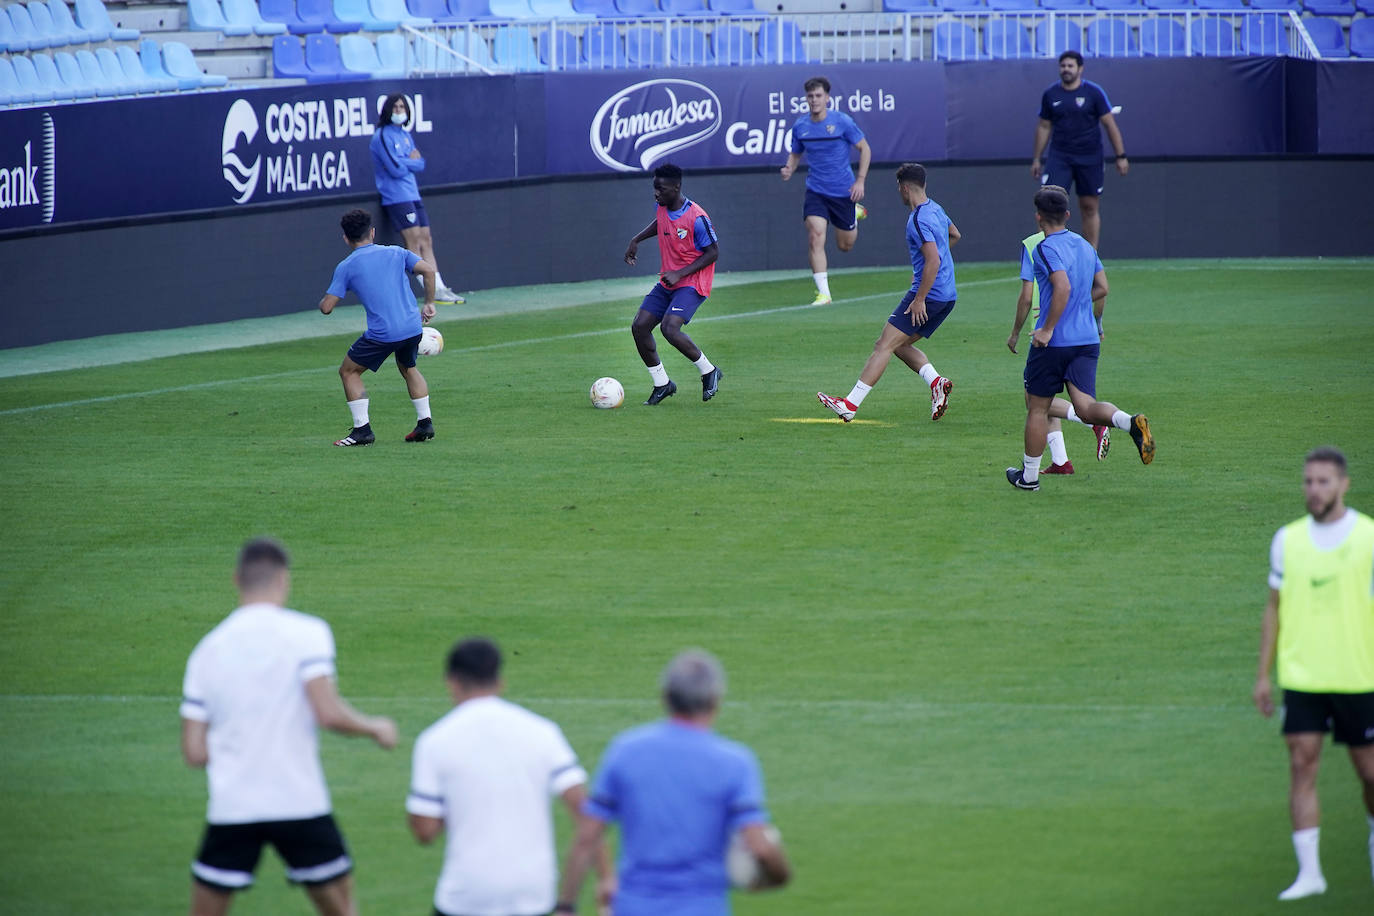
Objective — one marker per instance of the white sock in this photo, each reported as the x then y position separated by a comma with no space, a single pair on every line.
1305,844
929,374
659,375
1058,454
421,407
822,283
859,392
703,364
359,410
1122,420
439,281
1073,416
1030,468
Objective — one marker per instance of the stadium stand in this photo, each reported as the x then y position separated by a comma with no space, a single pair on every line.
513,49
1365,6
511,9
208,16
62,18
734,45
1212,36
1275,4
321,13
684,7
358,54
557,47
1220,4
397,10
1362,38
1006,38
323,58
1125,6
29,81
1328,36
11,93
24,33
780,42
469,10
46,72
434,10
732,7
646,48
1330,7
181,64
555,9
71,74
689,46
1110,37
1263,34
92,16
244,13
285,12
1064,35
1163,38
637,7
956,41
358,11
602,46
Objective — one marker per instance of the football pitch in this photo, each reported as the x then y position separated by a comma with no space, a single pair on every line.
966,699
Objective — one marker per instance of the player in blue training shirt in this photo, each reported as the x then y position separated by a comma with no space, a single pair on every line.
395,163
379,274
1070,114
1066,341
833,191
929,233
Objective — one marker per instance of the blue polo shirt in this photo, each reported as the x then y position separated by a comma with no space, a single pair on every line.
929,223
826,145
1076,116
379,275
679,793
392,166
1071,253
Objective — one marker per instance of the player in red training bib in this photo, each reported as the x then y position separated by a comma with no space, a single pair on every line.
687,249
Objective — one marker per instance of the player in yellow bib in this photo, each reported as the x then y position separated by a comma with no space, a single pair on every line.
1319,623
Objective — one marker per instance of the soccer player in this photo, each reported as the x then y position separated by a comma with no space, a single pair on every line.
395,162
687,251
929,235
1071,110
256,688
378,274
1027,304
833,191
484,774
1066,342
1319,623
679,793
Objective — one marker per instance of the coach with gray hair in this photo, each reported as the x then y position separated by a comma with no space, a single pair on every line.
679,792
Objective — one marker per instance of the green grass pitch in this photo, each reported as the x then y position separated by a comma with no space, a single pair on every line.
966,699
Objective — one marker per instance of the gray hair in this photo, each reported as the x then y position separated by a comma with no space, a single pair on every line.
693,683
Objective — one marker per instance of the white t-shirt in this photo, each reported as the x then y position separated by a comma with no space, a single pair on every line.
489,768
1325,535
247,679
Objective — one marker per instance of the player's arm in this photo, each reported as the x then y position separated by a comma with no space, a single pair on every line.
1023,306
1099,295
333,712
1118,145
589,838
954,235
1263,693
774,869
930,254
427,274
645,234
573,798
856,190
1059,300
792,160
328,302
708,256
384,157
195,747
425,829
1042,137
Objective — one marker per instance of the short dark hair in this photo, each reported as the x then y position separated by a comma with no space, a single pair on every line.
817,82
475,662
384,116
355,224
912,173
1330,454
1073,56
1053,203
260,561
669,173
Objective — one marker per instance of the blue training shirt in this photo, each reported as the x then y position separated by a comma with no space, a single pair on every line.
1071,253
1075,116
826,145
391,163
927,223
378,274
679,793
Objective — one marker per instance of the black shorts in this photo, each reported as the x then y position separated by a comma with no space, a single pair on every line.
1087,175
838,211
370,354
313,850
1348,716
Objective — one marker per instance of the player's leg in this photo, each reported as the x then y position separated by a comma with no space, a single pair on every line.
1090,216
684,303
1043,378
1304,760
1054,438
418,389
916,359
815,254
888,342
845,238
650,314
209,901
1362,757
225,863
334,898
351,370
317,858
1105,413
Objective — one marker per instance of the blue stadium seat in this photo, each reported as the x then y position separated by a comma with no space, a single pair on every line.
358,54
511,9
43,23
90,69
92,16
1330,7
321,13
1169,4
114,73
62,18
1362,38
323,58
469,10
1275,4
1365,6
24,31
1071,5
29,81
285,12
288,58
559,48
245,14
602,46
1328,36
1111,38
50,79
780,42
603,8
10,91
734,44
208,16
1013,6
71,74
909,6
136,75
181,63
9,40
358,15
645,47
956,41
684,7
473,46
1122,5
391,51
1005,38
733,7
1221,4
436,10
1212,37
150,55
1163,38
689,47
1264,35
512,47
555,9
962,6
637,7
1068,36
388,10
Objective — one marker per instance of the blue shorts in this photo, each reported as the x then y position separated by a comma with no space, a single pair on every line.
409,215
936,313
1085,174
370,354
838,211
1048,368
683,301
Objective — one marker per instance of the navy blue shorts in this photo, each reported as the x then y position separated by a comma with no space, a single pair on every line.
682,301
313,849
936,313
838,211
409,215
1085,174
370,354
1048,368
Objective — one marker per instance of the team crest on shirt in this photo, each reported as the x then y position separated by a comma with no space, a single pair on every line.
830,128
1080,101
681,233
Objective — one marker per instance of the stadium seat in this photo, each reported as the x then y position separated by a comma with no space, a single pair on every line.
683,7
1212,37
1163,38
9,84
1365,6
150,55
1127,6
43,23
733,7
689,47
556,9
1169,4
388,10
1330,7
1220,4
1362,38
956,41
29,81
208,16
1275,4
391,51
909,6
321,13
1111,38
1005,38
512,48
602,47
780,42
114,73
284,12
62,18
962,6
436,10
323,58
1264,35
645,47
288,58
1013,6
71,74
1068,36
92,16
603,8
1066,4
558,48
734,44
94,76
181,63
49,78
1328,36
358,15
244,13
136,75
24,31
637,7
469,10
473,46
511,9
8,40
358,55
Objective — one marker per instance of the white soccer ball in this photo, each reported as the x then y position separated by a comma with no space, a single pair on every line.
742,868
431,342
607,393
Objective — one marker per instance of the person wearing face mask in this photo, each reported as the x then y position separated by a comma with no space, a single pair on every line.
395,162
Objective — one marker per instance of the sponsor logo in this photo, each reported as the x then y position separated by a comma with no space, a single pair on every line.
240,122
644,123
26,184
1318,583
1055,103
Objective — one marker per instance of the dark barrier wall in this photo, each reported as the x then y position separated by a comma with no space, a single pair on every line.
256,262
